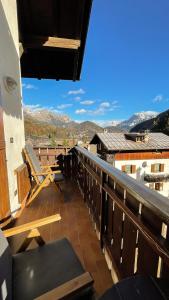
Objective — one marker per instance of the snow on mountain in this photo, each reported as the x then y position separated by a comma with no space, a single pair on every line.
53,117
137,118
115,123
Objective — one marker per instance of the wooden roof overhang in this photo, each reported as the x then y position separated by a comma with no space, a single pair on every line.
53,36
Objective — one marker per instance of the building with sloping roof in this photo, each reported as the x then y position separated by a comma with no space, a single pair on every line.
144,156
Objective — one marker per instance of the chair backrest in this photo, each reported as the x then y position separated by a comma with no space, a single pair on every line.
5,269
33,160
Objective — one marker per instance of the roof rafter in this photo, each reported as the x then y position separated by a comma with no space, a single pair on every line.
48,41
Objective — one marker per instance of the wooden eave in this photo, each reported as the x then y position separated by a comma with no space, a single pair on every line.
53,36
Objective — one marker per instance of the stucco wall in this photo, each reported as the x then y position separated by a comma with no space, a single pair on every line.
141,171
11,102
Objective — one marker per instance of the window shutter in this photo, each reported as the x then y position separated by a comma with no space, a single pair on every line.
123,168
161,167
153,168
133,169
157,186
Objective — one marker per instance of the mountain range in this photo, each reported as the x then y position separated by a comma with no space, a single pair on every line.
160,123
44,122
136,119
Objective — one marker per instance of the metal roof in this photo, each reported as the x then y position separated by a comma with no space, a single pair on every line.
118,142
53,36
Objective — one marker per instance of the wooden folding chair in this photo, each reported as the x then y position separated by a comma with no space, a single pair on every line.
50,271
42,175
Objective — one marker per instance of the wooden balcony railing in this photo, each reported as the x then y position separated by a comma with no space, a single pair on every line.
131,220
49,155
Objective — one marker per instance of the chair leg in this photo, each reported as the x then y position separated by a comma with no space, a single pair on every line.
37,189
33,195
58,186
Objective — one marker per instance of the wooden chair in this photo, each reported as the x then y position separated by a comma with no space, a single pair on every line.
42,175
51,271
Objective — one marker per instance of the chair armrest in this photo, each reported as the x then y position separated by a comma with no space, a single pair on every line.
46,173
31,225
50,166
69,288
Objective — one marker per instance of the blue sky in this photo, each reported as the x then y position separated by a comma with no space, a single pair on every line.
125,68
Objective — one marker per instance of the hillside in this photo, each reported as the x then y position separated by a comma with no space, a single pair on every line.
112,129
39,129
157,124
50,126
43,132
90,128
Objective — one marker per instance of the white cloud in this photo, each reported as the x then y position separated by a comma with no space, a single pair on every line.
158,98
105,107
87,102
77,98
105,123
114,102
101,110
105,104
28,86
76,92
63,106
80,111
32,107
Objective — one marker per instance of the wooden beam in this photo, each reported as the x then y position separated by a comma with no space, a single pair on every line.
69,288
31,225
48,41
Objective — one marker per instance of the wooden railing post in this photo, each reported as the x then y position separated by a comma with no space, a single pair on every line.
103,209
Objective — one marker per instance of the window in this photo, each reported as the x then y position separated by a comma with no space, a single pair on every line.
159,186
139,139
129,169
155,168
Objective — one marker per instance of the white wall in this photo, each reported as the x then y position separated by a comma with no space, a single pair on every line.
141,171
11,102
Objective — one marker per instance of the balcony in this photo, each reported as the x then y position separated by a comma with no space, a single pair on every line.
156,177
75,224
117,226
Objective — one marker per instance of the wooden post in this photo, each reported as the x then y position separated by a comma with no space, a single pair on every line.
103,210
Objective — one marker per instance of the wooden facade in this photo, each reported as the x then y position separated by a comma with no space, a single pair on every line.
142,155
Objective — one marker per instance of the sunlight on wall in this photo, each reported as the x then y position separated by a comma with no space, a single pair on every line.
4,290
